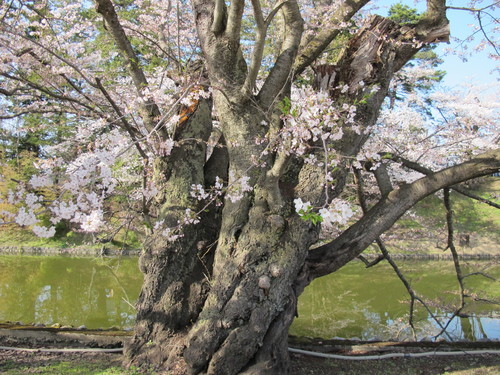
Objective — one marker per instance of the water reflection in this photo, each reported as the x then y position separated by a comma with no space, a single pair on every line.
70,291
353,302
372,304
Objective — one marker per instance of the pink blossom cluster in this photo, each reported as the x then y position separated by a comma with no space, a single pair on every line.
237,187
338,212
443,129
312,116
74,63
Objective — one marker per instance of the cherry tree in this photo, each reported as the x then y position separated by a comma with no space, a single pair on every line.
230,130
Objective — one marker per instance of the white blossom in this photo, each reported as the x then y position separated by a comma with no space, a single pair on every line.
198,192
90,222
167,147
339,212
301,207
238,187
190,217
44,232
25,217
40,181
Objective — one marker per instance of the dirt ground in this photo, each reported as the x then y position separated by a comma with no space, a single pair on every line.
466,365
25,362
35,362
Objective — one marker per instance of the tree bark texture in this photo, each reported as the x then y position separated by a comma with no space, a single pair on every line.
220,294
175,272
231,314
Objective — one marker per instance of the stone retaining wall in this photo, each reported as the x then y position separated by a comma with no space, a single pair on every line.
77,251
103,251
446,256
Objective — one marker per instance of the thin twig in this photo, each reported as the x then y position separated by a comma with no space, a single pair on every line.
456,261
386,255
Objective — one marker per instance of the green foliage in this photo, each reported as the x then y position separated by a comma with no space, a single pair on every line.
313,217
403,14
308,214
36,133
285,105
19,168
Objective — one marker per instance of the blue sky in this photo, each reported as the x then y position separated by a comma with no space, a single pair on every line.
478,67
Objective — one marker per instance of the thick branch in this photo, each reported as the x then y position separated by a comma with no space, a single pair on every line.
434,26
260,42
380,49
281,72
383,179
258,49
149,111
330,257
218,22
224,61
106,9
235,14
314,48
459,189
436,9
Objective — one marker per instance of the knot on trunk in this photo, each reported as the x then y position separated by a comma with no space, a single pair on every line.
265,283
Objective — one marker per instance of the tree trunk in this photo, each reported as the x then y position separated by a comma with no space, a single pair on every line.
219,294
262,260
176,271
261,248
244,324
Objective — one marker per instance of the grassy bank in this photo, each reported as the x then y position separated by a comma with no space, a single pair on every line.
423,230
12,235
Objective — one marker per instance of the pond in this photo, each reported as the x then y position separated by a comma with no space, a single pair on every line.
352,303
97,293
371,304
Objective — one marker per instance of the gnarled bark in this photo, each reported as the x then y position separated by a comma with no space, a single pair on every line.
220,298
176,273
262,260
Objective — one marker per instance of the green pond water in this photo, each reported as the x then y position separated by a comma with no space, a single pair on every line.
352,303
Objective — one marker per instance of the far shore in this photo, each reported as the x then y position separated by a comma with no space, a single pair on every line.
421,250
67,251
